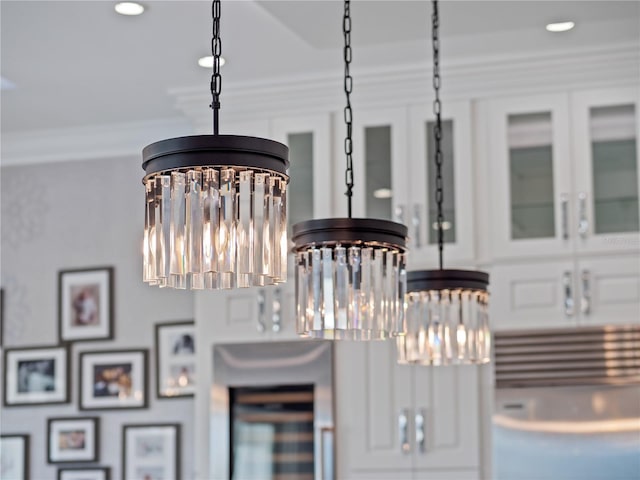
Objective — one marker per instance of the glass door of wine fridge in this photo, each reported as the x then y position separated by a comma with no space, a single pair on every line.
272,412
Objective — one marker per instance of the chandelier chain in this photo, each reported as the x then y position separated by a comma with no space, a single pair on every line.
216,52
348,113
437,128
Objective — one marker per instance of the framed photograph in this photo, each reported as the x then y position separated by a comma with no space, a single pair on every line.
175,359
79,473
85,304
14,456
151,452
113,379
36,376
73,439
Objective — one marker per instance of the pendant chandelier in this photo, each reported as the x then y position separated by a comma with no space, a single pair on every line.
350,272
446,311
216,209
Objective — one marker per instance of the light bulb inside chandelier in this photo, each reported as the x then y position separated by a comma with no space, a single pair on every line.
216,207
446,311
350,272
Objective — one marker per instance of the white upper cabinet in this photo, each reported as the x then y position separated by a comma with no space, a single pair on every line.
379,156
310,167
605,132
530,176
421,212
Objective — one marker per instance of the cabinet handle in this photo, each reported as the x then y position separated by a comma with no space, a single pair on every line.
276,318
585,301
403,427
261,311
415,223
583,220
564,203
398,214
420,431
567,280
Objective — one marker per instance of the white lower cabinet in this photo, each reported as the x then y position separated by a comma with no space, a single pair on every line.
581,291
396,422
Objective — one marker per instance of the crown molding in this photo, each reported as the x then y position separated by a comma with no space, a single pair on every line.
469,79
87,143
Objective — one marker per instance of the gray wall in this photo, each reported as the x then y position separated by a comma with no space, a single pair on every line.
74,215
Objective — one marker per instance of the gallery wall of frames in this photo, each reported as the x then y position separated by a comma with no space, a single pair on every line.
98,369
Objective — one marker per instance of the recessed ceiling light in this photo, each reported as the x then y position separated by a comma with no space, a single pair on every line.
207,62
560,26
382,193
129,8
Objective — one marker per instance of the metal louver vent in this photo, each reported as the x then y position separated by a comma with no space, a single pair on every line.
576,356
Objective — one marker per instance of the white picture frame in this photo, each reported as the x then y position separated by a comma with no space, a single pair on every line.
85,304
14,456
113,379
151,451
175,359
73,439
81,473
36,376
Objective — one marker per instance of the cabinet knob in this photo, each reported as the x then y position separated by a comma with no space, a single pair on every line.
583,219
564,207
585,300
261,311
420,431
567,281
403,428
276,318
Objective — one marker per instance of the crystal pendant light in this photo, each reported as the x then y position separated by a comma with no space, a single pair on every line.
350,272
446,311
216,209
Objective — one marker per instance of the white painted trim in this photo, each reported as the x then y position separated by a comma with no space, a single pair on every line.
87,143
469,79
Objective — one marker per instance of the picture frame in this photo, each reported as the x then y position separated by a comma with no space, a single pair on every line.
36,376
114,379
82,473
1,317
85,304
14,456
151,451
73,439
175,359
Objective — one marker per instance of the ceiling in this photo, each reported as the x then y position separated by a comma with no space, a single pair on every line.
78,63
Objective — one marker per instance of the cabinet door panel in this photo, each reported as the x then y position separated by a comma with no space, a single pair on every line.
449,399
610,290
458,186
605,132
379,156
533,296
530,180
372,391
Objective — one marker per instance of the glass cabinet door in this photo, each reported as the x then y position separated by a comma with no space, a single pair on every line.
606,164
309,194
530,176
457,175
379,150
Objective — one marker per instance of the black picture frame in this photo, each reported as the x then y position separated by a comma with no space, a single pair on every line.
105,470
10,373
26,452
104,308
146,426
161,356
94,449
116,400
